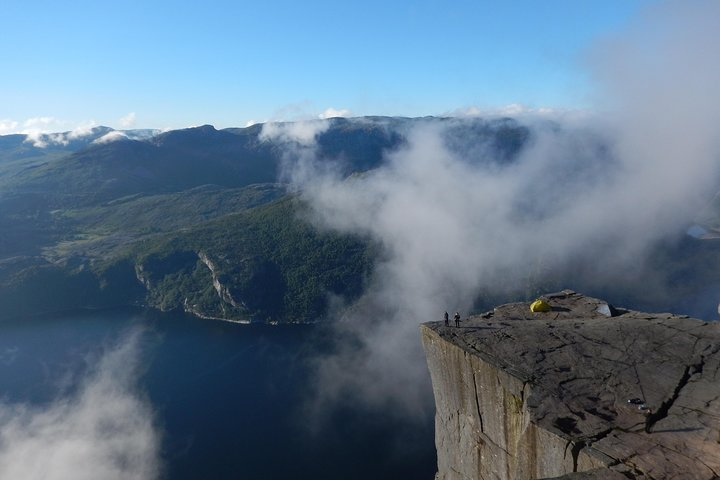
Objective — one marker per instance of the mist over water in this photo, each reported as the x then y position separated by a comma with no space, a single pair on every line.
145,395
587,193
101,427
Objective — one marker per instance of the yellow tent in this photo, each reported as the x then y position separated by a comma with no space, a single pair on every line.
540,306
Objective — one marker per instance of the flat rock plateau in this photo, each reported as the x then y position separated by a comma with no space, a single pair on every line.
584,391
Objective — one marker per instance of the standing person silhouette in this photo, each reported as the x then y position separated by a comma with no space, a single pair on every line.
447,319
457,319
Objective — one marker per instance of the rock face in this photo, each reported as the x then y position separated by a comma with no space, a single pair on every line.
583,391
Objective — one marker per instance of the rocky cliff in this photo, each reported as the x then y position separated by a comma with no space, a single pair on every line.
582,391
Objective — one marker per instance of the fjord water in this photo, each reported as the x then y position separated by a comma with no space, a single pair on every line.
229,400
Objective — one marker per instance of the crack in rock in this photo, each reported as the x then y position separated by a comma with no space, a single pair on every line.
664,407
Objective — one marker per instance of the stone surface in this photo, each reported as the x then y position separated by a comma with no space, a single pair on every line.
586,388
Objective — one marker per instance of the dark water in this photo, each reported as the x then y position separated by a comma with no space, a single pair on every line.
229,399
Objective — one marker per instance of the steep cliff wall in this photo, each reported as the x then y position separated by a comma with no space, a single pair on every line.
483,429
584,388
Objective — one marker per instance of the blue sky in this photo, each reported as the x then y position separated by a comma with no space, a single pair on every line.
165,64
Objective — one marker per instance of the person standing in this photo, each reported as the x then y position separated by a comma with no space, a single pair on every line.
447,319
457,319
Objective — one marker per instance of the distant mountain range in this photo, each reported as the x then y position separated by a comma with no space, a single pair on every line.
195,219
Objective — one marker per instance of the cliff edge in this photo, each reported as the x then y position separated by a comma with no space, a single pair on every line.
582,391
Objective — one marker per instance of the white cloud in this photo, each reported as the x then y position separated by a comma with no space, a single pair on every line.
332,113
8,126
36,128
40,122
302,132
104,430
128,120
44,131
36,137
113,136
82,130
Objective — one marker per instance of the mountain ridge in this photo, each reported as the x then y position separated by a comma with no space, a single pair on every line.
85,221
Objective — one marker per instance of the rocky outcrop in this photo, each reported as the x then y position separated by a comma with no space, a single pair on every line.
584,391
222,290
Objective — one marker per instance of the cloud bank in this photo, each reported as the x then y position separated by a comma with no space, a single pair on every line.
37,132
103,430
591,191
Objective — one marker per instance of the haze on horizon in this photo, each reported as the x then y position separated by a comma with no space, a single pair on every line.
173,65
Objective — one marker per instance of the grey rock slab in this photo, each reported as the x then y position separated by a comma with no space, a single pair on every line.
633,389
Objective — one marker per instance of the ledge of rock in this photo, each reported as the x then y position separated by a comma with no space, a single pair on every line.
584,391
